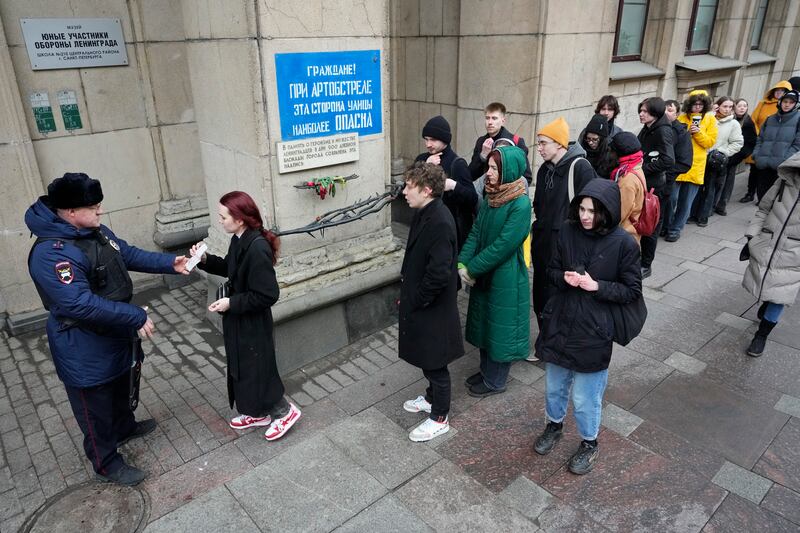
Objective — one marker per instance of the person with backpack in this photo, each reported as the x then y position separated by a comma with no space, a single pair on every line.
595,265
81,270
459,192
682,147
656,138
564,171
495,121
629,177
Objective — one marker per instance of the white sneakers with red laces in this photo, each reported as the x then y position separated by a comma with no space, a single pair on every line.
244,422
429,429
419,404
280,426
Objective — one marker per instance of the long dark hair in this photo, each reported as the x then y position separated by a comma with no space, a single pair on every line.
601,225
241,206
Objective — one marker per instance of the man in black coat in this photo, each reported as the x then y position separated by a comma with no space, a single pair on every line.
551,199
459,192
659,157
684,154
495,120
430,327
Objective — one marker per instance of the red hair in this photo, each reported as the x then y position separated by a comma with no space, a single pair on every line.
241,206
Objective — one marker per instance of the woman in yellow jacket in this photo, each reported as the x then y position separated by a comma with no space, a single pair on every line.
702,126
767,107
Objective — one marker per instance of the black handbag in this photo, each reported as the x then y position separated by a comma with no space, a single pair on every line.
629,320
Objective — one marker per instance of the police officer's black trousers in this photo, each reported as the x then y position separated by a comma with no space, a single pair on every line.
104,415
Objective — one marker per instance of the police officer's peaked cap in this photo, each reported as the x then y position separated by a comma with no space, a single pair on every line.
74,189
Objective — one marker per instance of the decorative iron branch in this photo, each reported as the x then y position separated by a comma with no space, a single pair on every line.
347,214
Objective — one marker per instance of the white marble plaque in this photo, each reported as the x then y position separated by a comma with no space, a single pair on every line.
74,43
317,152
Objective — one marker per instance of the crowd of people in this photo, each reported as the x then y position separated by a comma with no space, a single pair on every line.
589,231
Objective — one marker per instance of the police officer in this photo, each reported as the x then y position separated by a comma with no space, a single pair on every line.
80,269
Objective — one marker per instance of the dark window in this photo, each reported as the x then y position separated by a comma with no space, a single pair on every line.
631,21
701,26
758,24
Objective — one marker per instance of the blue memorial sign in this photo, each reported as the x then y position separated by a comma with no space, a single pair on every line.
327,93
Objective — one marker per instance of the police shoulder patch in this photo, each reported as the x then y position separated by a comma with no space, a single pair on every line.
64,272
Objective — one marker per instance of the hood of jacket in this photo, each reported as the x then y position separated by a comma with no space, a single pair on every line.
513,163
44,222
780,85
790,169
573,150
607,193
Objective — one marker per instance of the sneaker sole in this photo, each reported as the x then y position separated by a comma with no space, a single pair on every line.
255,425
103,479
427,438
288,426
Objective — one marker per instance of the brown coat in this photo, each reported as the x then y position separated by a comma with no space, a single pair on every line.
631,191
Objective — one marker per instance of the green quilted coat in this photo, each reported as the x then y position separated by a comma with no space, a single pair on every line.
498,319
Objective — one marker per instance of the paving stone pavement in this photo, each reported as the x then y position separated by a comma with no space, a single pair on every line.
696,436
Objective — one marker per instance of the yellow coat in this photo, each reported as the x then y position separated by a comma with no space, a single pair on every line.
702,141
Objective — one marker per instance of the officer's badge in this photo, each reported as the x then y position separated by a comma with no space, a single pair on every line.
113,244
64,272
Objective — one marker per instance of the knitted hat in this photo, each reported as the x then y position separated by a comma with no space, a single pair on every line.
598,125
625,143
438,128
558,130
74,189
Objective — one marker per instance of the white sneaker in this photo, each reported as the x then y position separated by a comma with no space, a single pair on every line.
531,358
417,405
429,429
244,422
280,426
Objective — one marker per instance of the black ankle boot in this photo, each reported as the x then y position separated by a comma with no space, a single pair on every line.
756,347
761,310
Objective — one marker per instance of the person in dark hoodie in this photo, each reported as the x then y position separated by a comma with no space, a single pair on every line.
595,265
495,121
594,140
80,269
682,146
778,140
551,199
656,138
459,192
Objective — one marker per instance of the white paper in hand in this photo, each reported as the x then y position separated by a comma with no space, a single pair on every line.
195,259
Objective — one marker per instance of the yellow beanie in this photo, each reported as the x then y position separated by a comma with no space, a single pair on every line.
558,130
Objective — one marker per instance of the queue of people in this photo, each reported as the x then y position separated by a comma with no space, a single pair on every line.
475,227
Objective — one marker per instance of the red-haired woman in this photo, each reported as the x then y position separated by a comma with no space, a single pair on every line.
253,381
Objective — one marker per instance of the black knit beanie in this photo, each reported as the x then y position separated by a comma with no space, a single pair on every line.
625,143
74,189
598,125
438,128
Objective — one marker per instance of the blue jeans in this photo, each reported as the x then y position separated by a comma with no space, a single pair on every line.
587,397
495,375
680,203
773,312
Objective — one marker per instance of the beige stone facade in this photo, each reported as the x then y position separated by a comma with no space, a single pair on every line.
194,114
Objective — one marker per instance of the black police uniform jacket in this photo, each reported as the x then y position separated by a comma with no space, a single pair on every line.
577,324
253,381
430,328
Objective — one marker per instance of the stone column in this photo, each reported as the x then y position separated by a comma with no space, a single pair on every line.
231,51
21,185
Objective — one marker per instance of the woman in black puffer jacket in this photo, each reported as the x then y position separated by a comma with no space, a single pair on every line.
595,264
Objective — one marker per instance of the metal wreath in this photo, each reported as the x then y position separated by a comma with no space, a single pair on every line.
347,214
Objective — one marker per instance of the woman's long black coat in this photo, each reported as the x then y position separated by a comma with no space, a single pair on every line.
430,328
253,381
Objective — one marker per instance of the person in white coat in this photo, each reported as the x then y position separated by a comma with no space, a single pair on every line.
729,141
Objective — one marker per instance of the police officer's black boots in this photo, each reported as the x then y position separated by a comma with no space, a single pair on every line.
756,347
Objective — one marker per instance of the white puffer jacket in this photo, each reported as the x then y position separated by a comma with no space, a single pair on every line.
773,274
729,136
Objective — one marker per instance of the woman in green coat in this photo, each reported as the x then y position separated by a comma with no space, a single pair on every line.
492,262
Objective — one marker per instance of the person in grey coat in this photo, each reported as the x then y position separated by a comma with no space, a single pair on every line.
773,242
778,140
